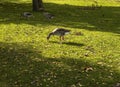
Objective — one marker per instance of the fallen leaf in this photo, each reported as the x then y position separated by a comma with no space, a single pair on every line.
88,69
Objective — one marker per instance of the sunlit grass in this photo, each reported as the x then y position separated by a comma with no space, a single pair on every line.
89,56
86,2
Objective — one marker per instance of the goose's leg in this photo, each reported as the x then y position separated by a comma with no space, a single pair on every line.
62,37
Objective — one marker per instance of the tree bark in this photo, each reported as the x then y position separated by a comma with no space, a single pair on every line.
37,5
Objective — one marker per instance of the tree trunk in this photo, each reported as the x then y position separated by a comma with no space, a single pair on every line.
37,5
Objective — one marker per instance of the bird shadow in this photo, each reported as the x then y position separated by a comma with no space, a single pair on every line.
69,43
73,44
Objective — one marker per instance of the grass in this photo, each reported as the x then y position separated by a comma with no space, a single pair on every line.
27,59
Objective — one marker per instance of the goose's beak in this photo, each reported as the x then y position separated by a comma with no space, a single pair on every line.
47,38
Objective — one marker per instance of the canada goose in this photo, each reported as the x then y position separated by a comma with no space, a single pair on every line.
48,15
60,32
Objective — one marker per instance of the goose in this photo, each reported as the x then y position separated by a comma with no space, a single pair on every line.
59,32
48,15
27,14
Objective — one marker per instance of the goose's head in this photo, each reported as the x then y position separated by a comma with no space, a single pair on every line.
48,37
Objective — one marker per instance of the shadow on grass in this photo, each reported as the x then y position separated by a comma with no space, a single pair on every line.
74,44
23,66
68,43
105,19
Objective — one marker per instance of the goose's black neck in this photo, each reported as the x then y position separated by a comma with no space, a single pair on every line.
48,37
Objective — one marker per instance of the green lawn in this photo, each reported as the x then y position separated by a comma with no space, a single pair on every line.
89,56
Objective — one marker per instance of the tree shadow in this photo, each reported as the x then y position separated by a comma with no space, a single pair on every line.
104,19
23,66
